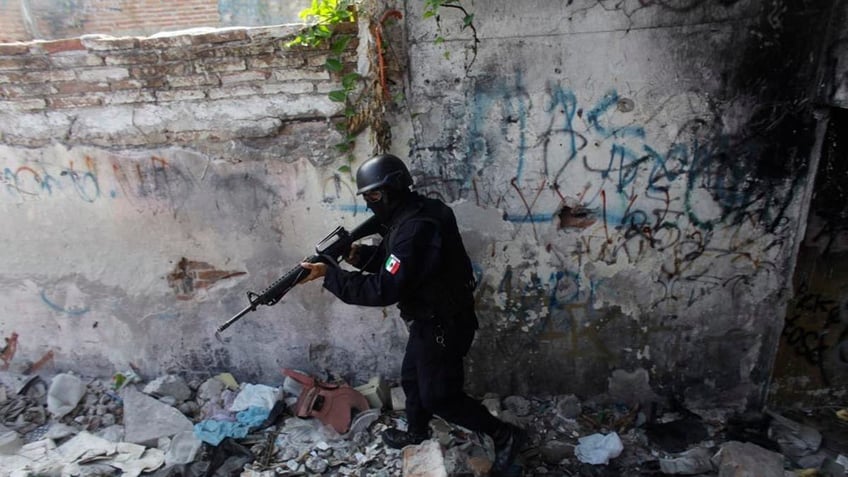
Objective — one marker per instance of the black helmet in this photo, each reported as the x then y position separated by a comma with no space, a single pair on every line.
384,171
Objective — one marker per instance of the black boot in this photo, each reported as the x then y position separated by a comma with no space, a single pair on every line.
397,439
509,440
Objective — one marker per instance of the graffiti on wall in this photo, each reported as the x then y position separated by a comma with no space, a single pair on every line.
147,181
695,203
151,184
816,330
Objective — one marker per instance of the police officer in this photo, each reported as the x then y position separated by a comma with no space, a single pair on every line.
420,264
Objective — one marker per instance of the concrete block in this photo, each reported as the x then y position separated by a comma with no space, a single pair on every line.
398,398
146,419
424,460
376,391
744,459
10,441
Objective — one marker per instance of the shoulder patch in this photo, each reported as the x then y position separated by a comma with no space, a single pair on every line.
392,264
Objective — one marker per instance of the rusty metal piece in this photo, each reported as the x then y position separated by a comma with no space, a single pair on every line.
8,352
40,363
332,404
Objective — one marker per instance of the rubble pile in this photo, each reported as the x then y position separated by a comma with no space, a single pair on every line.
67,425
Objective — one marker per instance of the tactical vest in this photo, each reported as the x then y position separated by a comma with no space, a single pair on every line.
449,292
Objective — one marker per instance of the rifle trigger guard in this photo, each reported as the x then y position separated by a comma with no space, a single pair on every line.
329,260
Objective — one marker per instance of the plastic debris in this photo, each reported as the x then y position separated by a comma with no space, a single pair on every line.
121,379
64,394
598,448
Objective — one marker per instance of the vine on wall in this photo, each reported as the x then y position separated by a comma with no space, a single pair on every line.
432,9
365,99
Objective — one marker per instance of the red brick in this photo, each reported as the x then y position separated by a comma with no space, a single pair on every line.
131,58
245,77
125,84
74,102
193,265
177,54
165,42
221,66
13,77
75,59
58,46
220,36
26,90
105,43
23,105
215,275
14,48
155,83
193,81
277,32
155,71
28,63
76,87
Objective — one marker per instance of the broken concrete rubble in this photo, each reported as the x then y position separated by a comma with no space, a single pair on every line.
128,431
146,419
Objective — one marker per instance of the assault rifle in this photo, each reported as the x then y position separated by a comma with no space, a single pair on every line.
331,249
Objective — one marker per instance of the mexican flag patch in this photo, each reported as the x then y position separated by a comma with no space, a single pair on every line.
392,264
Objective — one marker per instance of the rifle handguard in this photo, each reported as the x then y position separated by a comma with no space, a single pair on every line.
330,250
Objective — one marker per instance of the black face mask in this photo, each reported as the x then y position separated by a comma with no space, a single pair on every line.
385,208
382,208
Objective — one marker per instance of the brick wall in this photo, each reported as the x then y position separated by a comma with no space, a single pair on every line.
51,19
11,22
149,16
182,88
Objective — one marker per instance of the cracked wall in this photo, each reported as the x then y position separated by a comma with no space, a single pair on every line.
632,181
651,163
151,183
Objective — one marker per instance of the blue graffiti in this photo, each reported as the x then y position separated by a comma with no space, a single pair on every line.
73,311
25,182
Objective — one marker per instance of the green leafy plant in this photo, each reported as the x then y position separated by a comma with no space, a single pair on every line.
432,9
321,17
365,99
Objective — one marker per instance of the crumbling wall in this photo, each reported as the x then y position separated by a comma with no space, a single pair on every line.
632,181
149,183
633,178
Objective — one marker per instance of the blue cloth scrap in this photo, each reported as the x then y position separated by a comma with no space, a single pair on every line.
213,432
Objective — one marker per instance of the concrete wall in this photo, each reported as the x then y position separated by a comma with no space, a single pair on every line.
631,179
634,177
149,183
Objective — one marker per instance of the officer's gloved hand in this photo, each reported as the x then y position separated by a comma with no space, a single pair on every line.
353,257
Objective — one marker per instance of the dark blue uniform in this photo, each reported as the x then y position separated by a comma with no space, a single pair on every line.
421,264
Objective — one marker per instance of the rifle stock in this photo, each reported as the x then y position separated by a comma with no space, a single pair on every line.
330,250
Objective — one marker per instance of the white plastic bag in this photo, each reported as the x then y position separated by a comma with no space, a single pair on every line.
598,448
255,395
64,394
